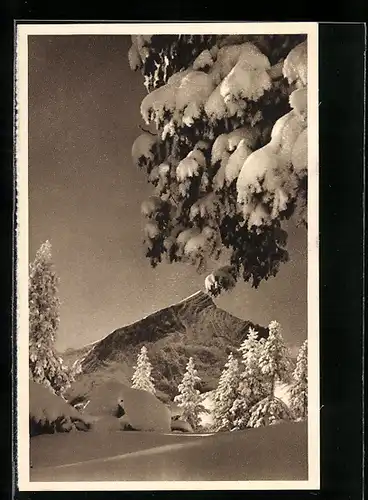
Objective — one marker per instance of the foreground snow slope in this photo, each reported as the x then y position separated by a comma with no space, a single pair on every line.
271,453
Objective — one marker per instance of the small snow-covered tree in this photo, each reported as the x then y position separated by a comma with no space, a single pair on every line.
252,377
275,360
45,366
189,398
225,395
228,159
275,365
252,385
299,386
142,378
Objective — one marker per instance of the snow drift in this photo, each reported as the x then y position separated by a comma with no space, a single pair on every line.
137,408
49,413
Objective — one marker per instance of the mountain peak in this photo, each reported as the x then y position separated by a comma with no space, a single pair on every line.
199,298
193,327
200,294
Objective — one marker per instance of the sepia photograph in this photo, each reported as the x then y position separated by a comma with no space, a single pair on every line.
167,256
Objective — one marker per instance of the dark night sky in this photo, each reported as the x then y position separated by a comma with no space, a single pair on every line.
85,196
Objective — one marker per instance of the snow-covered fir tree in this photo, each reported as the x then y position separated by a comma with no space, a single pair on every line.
275,360
189,398
275,365
142,378
45,366
299,386
225,395
228,155
252,385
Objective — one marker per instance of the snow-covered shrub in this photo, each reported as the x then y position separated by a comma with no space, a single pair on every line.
268,411
50,413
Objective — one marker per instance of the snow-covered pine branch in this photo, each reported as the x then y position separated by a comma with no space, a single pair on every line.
230,156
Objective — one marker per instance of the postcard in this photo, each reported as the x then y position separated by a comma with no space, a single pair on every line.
167,256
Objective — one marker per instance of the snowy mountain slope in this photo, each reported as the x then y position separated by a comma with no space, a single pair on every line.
196,315
193,327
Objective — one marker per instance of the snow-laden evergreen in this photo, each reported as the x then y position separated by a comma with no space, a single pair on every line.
45,366
275,359
142,378
189,398
275,365
252,385
229,160
225,395
299,386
